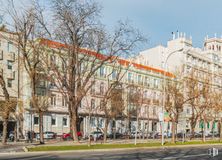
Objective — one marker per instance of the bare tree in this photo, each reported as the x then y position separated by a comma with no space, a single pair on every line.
112,104
174,102
194,92
42,102
216,106
27,24
7,106
77,26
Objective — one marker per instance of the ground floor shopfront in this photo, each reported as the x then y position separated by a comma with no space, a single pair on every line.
59,123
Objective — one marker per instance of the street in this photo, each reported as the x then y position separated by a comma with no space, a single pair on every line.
138,154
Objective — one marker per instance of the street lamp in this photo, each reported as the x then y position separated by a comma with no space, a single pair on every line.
164,91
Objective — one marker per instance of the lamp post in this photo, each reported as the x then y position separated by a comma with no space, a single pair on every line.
164,91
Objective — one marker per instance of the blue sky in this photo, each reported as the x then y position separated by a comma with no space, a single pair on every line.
156,19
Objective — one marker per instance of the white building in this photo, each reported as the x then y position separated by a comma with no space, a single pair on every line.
179,53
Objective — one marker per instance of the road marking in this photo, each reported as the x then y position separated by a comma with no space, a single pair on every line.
188,156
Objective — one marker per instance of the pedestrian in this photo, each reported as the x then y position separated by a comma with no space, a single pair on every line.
29,136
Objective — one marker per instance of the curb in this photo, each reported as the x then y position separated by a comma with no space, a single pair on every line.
122,149
25,149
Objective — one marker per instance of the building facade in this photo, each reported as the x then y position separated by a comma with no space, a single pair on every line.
181,54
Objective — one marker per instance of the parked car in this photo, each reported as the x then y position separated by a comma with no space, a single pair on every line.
68,136
196,135
180,135
47,135
133,134
215,133
207,134
118,135
96,135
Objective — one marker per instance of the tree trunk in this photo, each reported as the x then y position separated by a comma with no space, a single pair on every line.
74,121
15,133
147,131
220,122
4,134
41,128
193,125
105,129
143,130
20,128
173,131
204,130
114,132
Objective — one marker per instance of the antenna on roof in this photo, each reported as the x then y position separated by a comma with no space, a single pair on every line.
173,34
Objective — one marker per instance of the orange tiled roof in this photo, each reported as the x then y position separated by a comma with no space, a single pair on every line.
53,44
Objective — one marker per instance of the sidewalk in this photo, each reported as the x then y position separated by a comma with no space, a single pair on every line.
116,141
13,147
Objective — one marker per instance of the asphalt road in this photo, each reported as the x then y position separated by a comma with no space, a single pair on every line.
193,153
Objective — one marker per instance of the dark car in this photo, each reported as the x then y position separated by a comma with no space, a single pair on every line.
118,135
96,135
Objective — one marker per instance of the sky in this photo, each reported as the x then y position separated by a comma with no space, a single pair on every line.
157,19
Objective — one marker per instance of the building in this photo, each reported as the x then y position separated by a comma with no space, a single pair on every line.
147,81
181,54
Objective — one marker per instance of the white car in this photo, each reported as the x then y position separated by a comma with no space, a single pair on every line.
47,135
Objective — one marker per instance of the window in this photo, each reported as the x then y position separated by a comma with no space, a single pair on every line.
64,121
101,88
9,83
64,101
155,83
52,81
63,66
114,74
101,122
52,60
130,77
10,45
93,89
53,120
140,79
146,82
93,103
101,105
36,120
102,71
93,121
145,94
154,111
188,111
9,65
53,99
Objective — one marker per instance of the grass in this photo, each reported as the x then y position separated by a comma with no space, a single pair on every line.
113,146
